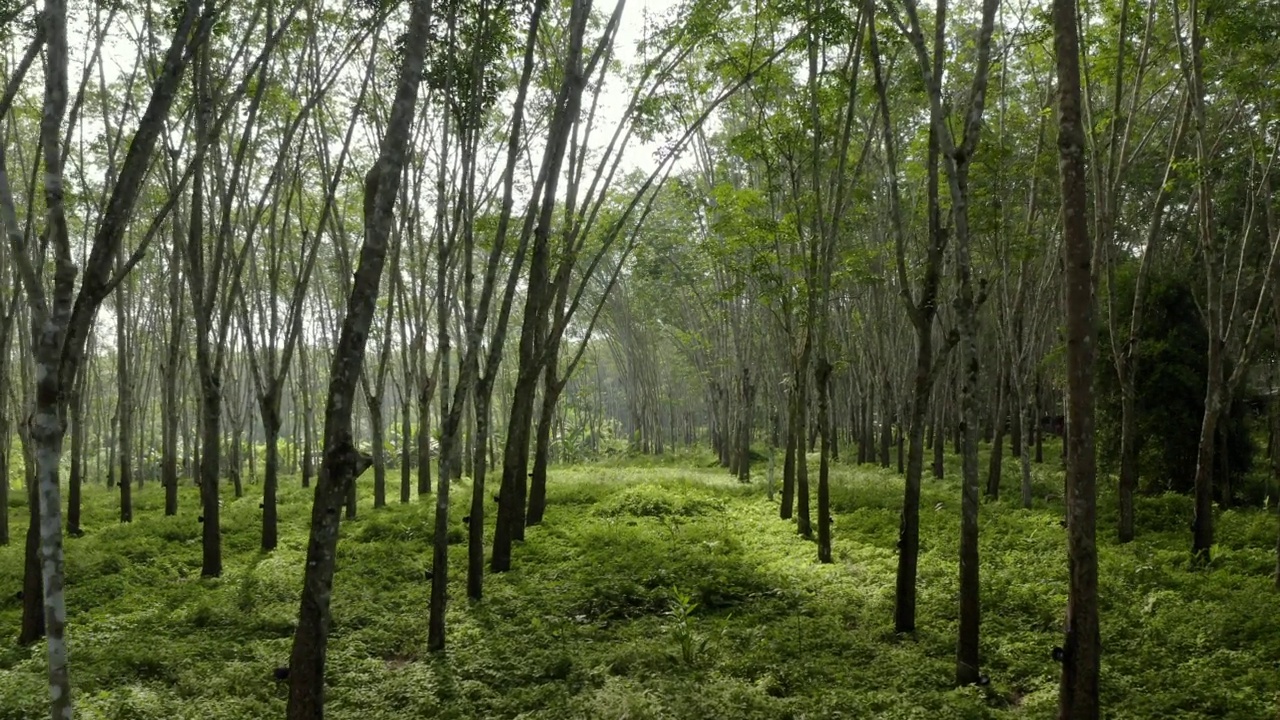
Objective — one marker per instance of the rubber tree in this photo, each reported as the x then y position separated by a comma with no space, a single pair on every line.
272,336
342,463
213,269
922,313
61,318
1078,695
956,159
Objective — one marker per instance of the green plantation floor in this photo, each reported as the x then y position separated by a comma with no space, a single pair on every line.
589,625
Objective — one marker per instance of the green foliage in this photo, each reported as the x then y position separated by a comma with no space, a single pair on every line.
1170,388
656,502
656,592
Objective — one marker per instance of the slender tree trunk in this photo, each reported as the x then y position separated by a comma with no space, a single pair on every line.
376,424
424,438
904,610
211,436
1024,420
886,434
1015,425
940,444
745,419
270,476
822,377
75,483
124,401
803,524
475,531
967,649
551,389
406,451
1128,450
308,448
789,461
5,444
1203,523
32,628
342,464
1078,695
515,463
169,411
996,461
112,444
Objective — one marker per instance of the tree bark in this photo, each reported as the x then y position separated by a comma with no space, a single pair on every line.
538,298
787,508
939,444
75,483
270,409
32,628
744,424
1128,451
1078,694
1024,421
803,524
124,403
552,387
376,424
996,461
424,437
341,461
406,451
475,529
169,375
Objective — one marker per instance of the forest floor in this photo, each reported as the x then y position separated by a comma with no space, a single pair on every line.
598,618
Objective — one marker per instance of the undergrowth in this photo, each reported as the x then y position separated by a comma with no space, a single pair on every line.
654,592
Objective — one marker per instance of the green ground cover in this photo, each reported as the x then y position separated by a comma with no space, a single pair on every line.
654,591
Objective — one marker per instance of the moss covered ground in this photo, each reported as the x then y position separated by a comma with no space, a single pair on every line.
654,591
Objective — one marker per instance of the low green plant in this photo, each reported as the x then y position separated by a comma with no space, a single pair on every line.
692,645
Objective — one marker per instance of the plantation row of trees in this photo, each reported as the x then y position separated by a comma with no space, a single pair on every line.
444,237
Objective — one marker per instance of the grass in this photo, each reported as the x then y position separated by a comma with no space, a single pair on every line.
661,591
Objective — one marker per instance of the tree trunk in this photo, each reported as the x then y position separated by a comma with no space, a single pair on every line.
822,381
32,628
47,431
745,420
939,445
996,461
1128,450
270,476
424,439
1203,523
236,463
308,448
379,454
904,610
1024,421
5,443
124,403
475,529
1078,695
967,655
406,451
803,524
341,461
886,435
515,463
789,462
211,436
169,422
551,389
1015,426
75,483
